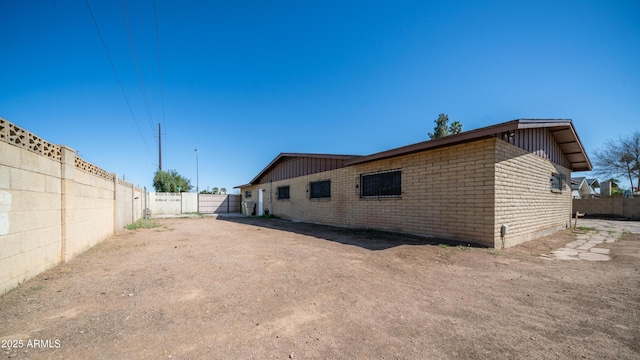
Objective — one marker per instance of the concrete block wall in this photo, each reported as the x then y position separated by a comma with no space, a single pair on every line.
172,203
611,205
524,199
53,205
90,210
30,212
129,204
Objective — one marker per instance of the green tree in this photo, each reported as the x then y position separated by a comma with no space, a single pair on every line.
171,181
620,157
223,191
443,128
215,191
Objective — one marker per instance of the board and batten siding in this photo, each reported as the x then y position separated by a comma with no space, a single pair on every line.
300,166
538,141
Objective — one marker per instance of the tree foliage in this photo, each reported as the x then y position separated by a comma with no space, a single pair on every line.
443,128
170,181
620,157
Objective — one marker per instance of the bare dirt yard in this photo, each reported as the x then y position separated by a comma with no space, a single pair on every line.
239,288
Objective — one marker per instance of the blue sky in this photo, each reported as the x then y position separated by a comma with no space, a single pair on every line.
244,81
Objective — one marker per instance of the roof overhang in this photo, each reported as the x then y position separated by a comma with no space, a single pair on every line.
562,130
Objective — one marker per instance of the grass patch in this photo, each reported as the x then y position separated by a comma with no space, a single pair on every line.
194,213
443,246
464,247
142,224
270,216
584,228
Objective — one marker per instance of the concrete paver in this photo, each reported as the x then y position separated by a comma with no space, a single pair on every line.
587,245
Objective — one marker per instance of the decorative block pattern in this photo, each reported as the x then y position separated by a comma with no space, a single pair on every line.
3,129
124,183
92,169
19,137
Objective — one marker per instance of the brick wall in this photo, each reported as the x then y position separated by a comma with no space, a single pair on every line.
446,192
464,192
524,200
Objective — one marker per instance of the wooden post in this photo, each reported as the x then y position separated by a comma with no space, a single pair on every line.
575,223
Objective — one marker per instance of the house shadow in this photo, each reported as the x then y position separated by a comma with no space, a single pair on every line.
369,239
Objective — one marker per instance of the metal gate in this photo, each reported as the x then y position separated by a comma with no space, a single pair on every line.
218,204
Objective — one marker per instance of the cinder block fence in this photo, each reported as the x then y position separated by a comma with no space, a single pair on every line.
54,205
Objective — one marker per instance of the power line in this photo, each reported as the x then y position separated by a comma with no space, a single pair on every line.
117,77
126,19
164,122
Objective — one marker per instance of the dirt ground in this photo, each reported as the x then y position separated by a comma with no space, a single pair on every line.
241,288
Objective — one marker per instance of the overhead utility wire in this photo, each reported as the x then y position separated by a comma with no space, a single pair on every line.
155,17
124,9
117,77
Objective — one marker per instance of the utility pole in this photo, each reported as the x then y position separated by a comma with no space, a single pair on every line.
197,179
159,148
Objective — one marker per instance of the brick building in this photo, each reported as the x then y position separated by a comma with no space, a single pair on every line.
497,186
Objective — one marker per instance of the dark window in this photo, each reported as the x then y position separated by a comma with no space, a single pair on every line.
382,184
556,182
320,189
247,193
283,192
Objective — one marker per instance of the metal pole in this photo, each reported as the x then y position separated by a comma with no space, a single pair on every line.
197,179
197,184
145,204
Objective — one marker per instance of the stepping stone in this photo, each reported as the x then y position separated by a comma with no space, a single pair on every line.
565,252
586,246
565,257
600,251
593,257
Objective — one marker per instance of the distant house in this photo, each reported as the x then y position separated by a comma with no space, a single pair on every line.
583,188
498,186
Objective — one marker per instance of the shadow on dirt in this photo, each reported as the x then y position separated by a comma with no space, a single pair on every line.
365,238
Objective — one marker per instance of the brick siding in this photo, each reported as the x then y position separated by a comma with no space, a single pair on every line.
464,192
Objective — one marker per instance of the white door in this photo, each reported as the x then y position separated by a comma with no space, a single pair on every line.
260,202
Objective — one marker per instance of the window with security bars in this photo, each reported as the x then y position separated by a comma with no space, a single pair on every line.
320,189
385,184
556,182
283,192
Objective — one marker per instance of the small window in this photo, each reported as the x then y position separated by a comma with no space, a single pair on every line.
247,194
556,182
283,192
320,189
385,184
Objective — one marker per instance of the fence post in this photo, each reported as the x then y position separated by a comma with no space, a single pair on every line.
67,180
115,202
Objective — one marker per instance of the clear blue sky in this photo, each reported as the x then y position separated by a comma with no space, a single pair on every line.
244,81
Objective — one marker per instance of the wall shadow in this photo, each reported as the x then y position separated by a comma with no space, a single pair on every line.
365,238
